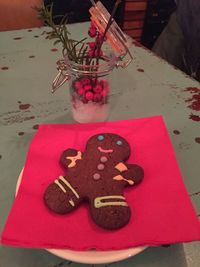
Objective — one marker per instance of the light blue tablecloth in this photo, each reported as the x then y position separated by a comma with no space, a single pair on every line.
149,86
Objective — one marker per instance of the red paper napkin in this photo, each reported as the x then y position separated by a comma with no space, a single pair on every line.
162,212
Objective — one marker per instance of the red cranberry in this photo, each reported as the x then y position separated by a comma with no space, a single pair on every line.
89,96
92,32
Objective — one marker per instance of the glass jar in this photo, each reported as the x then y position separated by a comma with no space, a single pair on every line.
90,88
90,73
90,85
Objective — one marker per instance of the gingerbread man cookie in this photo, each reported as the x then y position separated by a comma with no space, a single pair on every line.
98,175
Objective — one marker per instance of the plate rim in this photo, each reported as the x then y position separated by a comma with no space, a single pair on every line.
103,257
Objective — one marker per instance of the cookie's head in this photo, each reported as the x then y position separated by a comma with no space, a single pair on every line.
110,145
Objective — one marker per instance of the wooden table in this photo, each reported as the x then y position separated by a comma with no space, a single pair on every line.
148,87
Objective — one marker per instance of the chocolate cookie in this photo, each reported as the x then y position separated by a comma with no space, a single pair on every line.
98,175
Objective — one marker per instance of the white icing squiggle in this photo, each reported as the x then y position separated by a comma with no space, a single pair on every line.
98,201
69,186
59,184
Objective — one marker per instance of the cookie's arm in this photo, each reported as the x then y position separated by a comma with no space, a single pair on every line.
135,173
131,173
69,157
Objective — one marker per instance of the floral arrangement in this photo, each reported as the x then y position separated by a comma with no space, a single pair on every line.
83,58
78,51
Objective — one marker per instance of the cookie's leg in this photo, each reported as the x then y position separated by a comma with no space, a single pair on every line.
61,198
110,214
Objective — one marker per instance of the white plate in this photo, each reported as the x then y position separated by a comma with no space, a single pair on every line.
91,257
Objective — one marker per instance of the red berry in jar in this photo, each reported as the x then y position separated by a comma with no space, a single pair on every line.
104,83
85,81
87,87
98,89
97,97
81,91
78,85
89,96
104,93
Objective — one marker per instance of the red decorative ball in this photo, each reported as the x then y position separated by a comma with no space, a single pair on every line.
92,32
92,24
90,53
81,91
105,92
98,53
97,97
104,83
78,85
98,88
85,81
100,37
89,96
91,45
87,87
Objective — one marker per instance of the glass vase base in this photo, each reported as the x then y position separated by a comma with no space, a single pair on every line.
90,112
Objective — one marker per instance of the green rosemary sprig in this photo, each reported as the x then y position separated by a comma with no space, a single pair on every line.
60,33
76,51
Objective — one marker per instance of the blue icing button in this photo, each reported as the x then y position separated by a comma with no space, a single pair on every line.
100,137
119,142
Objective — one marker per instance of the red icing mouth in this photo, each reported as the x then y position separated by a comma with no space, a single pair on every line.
105,150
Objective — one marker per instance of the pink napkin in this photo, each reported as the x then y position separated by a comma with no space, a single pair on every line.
162,212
